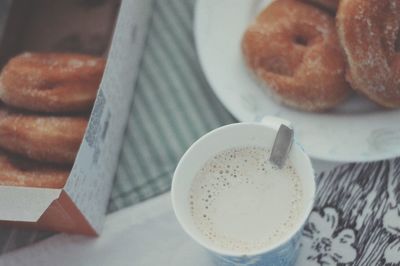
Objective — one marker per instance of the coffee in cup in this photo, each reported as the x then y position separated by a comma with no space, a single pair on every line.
241,202
229,198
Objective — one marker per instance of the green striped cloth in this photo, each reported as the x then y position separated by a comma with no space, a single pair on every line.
173,105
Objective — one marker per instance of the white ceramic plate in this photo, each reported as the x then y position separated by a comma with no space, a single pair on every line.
355,131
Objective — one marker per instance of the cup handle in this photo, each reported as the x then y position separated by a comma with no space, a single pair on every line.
275,122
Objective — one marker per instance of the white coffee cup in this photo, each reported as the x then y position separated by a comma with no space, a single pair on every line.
283,252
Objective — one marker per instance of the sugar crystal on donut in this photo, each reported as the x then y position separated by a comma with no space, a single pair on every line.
369,34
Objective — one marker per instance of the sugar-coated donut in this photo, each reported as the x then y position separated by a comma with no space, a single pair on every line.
44,138
369,34
51,82
293,49
18,171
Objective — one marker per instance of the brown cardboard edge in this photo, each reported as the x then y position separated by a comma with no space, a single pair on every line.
62,216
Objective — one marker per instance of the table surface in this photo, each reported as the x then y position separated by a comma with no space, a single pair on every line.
355,219
173,105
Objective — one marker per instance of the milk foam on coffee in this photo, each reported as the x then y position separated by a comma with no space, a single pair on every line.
240,202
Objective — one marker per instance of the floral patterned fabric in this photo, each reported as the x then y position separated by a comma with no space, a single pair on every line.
356,218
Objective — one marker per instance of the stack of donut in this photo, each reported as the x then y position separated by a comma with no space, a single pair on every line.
45,100
310,54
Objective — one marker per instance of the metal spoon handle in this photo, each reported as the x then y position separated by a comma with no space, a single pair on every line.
282,145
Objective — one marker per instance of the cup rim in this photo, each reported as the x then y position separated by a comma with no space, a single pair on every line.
226,252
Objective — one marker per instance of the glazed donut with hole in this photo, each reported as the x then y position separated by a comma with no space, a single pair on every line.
51,82
293,49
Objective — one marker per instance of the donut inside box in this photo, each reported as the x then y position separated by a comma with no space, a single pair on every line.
112,29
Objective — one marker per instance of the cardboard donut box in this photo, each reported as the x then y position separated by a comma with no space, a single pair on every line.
114,29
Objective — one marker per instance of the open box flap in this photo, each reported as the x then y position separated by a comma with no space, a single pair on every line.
91,177
25,204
